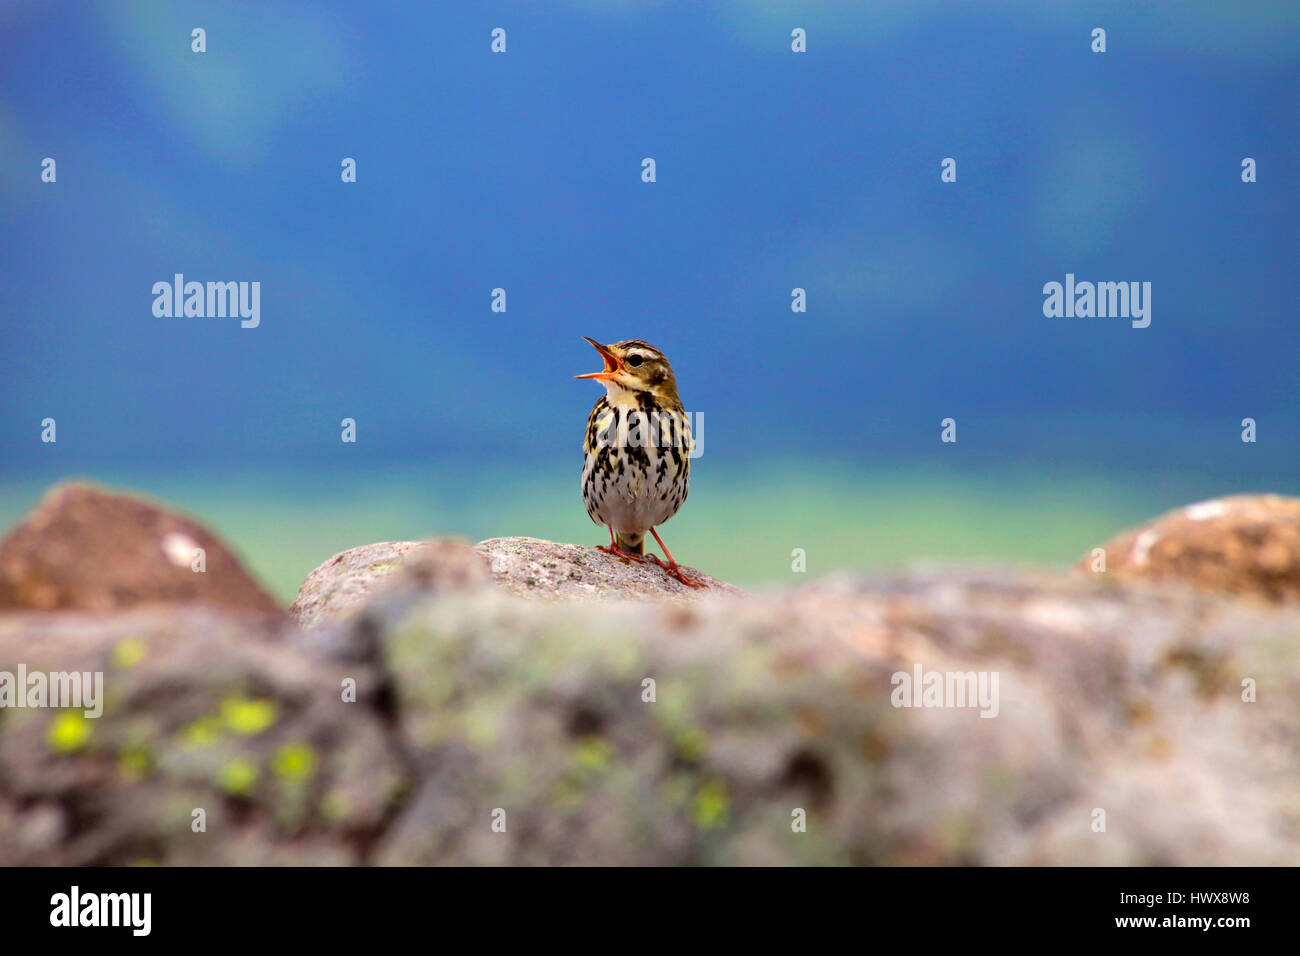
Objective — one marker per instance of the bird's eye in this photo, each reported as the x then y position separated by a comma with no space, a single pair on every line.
635,361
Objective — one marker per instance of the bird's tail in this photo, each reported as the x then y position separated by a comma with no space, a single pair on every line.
629,542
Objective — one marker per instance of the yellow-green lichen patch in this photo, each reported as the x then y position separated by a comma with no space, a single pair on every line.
237,777
69,732
591,757
129,652
134,763
710,808
294,762
248,718
203,732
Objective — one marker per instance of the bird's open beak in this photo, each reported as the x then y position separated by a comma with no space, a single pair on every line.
612,363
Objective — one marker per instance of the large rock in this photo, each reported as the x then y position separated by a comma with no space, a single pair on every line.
1245,544
1119,708
84,548
529,567
659,733
429,716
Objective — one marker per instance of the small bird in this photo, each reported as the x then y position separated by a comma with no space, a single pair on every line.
638,467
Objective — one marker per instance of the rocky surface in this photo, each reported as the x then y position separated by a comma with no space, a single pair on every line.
1244,544
427,716
85,548
346,581
473,703
205,711
532,567
529,567
1126,701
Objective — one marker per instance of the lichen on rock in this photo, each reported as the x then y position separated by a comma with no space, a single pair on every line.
604,714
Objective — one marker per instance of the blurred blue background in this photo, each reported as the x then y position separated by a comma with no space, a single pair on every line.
775,170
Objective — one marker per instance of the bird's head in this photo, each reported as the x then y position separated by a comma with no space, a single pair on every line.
632,367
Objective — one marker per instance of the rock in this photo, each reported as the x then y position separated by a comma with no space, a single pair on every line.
659,733
532,567
424,700
85,548
346,581
1244,544
1127,700
202,710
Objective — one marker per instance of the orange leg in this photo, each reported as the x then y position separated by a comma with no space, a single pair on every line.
618,552
671,567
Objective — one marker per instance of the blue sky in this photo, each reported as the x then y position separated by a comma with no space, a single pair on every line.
775,170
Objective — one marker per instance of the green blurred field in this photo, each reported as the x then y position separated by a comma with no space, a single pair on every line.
740,524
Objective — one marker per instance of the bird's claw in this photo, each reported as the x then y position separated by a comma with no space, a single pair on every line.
675,570
620,553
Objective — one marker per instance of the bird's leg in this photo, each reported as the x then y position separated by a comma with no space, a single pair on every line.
618,552
672,567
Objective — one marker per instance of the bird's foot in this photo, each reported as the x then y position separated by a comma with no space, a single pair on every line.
675,570
620,553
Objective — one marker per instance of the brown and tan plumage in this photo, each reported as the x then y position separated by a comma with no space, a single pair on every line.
637,470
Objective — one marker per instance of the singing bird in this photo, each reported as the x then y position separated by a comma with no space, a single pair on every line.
638,467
